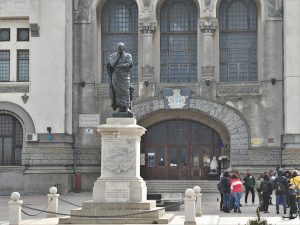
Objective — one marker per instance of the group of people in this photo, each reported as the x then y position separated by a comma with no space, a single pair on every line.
285,184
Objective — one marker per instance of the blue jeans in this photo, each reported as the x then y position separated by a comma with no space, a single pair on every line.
227,197
281,199
237,197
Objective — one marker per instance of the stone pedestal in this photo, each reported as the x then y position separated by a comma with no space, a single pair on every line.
120,179
119,194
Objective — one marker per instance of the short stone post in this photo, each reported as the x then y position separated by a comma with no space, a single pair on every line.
14,209
198,195
52,202
189,205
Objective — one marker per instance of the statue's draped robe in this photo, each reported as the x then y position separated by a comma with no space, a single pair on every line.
119,79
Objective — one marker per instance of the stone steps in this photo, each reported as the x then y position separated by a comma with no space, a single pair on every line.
118,213
141,220
179,186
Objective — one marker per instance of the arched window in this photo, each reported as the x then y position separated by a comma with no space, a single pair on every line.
238,41
178,41
11,140
119,23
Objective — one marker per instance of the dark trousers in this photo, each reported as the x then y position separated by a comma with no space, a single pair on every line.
266,199
251,189
221,202
293,206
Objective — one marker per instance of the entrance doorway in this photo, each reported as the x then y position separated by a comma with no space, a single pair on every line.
11,141
179,149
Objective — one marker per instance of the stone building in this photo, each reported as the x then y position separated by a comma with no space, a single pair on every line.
211,77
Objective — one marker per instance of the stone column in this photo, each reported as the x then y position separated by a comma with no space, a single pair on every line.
189,207
208,26
52,202
120,179
14,209
147,86
198,195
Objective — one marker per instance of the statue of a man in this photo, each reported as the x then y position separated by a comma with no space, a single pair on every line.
119,67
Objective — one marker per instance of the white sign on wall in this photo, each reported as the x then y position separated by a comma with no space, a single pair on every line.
89,120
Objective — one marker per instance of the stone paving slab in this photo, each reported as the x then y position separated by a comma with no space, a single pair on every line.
179,220
210,208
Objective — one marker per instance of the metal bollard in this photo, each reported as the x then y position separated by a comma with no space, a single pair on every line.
14,206
189,205
198,195
52,202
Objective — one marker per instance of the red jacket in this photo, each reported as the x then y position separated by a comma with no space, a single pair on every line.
236,185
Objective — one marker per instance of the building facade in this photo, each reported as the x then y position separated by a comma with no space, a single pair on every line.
212,78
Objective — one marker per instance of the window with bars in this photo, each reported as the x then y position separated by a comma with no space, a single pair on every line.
178,41
11,140
119,23
23,65
4,65
238,41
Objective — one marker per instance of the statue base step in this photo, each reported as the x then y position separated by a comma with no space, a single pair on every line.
118,213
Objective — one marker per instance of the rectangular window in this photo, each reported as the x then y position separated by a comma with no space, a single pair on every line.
22,34
4,65
4,34
22,65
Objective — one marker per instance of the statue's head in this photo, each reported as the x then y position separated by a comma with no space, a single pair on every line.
121,47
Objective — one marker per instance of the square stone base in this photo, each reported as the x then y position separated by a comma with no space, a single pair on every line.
118,190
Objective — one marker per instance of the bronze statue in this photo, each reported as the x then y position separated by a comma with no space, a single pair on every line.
119,67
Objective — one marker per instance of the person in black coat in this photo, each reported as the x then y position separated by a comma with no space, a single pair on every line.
266,189
281,187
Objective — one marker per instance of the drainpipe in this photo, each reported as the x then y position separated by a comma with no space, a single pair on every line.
74,159
283,94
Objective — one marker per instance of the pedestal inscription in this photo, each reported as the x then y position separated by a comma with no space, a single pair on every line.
117,193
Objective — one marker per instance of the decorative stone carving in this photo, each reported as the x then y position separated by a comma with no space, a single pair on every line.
238,89
25,98
118,158
274,8
147,3
207,4
147,71
102,91
35,30
208,69
208,24
82,12
147,28
14,89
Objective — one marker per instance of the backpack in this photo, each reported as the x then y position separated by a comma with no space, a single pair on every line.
265,187
257,184
220,186
279,187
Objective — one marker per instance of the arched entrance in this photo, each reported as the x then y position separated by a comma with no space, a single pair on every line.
11,140
179,149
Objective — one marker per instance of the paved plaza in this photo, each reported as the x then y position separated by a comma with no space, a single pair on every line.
210,207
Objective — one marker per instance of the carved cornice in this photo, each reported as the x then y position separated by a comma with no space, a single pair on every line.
274,8
208,24
147,71
210,69
82,11
35,30
238,89
14,88
147,28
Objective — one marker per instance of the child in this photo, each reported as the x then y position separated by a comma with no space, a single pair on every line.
292,201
